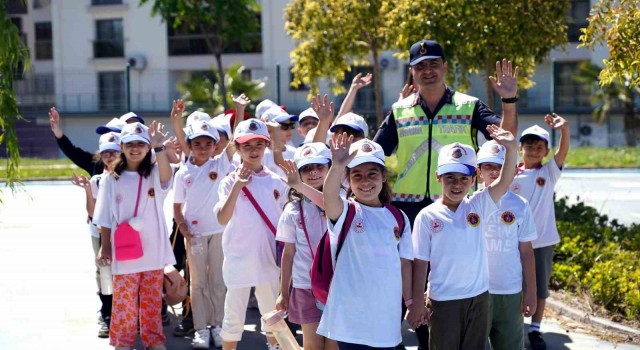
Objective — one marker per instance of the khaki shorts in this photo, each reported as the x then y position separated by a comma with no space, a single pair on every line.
544,264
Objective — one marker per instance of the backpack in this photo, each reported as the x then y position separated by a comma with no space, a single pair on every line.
322,266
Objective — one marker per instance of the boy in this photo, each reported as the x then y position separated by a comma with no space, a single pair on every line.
447,235
536,183
508,234
308,120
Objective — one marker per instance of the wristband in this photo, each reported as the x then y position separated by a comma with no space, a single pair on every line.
510,99
159,149
408,302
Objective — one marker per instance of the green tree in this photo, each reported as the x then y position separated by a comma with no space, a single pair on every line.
617,25
477,33
205,94
221,23
332,35
14,56
605,97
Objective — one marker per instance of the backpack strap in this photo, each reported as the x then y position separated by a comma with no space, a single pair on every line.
397,214
348,220
304,228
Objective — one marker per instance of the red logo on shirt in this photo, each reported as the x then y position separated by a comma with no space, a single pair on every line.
213,176
473,219
436,225
358,225
508,217
396,232
515,188
151,193
276,194
541,181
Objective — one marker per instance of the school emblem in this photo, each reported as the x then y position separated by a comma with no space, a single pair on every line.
541,181
138,130
366,147
515,188
188,181
495,149
213,176
473,219
204,126
276,194
112,139
118,198
151,193
358,225
396,232
456,153
508,217
423,49
436,225
253,126
307,151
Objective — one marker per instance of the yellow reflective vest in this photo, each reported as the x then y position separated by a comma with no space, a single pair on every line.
420,139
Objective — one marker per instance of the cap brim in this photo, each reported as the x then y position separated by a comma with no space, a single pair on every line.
492,159
132,138
109,147
300,118
103,129
422,58
534,135
352,126
365,159
286,118
136,118
191,137
245,138
456,168
312,160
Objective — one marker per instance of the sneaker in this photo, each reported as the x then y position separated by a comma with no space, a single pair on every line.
184,328
103,332
201,339
273,347
217,338
536,341
166,320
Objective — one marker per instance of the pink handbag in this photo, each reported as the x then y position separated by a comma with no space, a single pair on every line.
126,239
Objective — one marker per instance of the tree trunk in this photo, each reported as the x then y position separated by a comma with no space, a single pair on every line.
490,98
377,85
631,123
221,82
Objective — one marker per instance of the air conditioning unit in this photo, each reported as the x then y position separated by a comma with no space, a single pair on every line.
388,61
137,62
593,134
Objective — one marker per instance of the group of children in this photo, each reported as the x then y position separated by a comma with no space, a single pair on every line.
253,209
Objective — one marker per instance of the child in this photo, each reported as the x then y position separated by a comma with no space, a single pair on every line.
536,183
373,271
308,120
136,187
195,194
448,236
301,227
248,241
508,235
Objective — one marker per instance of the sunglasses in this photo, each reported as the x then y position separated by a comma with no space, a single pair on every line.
288,126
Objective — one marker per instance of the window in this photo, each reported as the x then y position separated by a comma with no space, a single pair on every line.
577,19
16,7
109,39
301,87
365,102
105,2
111,91
568,92
39,4
44,47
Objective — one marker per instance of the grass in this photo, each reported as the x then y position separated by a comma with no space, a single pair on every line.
37,168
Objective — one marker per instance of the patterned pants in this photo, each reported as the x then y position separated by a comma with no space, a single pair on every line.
126,313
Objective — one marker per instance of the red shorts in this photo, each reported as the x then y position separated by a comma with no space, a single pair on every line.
302,307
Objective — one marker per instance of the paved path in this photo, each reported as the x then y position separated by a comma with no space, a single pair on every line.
48,289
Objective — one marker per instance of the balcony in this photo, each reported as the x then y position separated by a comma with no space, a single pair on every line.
108,48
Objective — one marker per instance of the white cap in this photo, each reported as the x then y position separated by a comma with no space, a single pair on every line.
202,128
353,121
367,152
491,152
536,131
223,124
309,112
114,125
135,132
312,153
251,129
109,142
197,115
130,115
262,107
312,133
277,114
457,158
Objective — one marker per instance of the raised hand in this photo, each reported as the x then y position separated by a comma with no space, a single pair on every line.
177,109
506,80
359,81
157,134
241,102
54,121
555,121
406,91
80,181
502,136
340,145
291,171
243,176
323,108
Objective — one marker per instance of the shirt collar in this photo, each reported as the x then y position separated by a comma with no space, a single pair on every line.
447,98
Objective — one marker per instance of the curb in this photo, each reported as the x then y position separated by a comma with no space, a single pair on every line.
585,317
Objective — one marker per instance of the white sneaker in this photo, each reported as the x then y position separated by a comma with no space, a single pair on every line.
217,338
201,339
274,347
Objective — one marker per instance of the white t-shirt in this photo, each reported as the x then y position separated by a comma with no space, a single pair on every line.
197,188
364,302
94,183
290,231
537,186
453,243
248,244
116,204
504,229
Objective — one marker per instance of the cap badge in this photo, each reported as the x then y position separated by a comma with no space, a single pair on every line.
253,126
204,127
366,147
423,49
495,149
456,153
112,139
307,152
138,130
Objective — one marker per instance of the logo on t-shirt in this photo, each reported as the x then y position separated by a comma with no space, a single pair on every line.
436,225
213,176
276,194
473,219
396,232
541,181
515,188
508,217
358,225
151,193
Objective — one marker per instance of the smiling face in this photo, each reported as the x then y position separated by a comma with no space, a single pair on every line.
533,152
366,182
252,152
202,148
455,187
135,151
314,174
489,172
429,73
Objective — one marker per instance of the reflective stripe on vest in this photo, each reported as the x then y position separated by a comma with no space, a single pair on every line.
451,124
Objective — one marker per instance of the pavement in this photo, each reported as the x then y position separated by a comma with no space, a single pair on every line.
48,286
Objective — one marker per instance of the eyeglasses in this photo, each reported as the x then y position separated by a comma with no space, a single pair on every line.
288,126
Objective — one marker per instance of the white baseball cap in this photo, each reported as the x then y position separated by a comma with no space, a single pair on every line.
353,121
309,112
491,152
114,125
367,151
251,129
197,115
312,153
125,117
202,128
223,124
135,132
262,107
536,131
109,142
277,114
457,158
312,133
